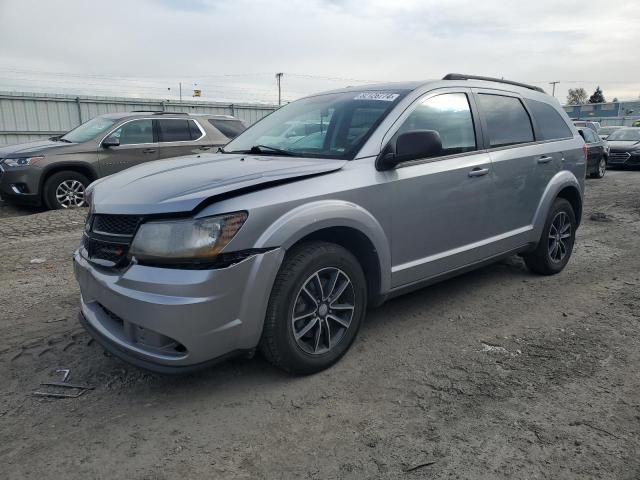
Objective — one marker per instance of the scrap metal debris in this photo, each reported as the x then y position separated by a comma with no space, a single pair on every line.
78,389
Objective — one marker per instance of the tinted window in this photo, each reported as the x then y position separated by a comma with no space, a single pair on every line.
550,123
174,130
136,131
195,131
507,120
450,116
229,128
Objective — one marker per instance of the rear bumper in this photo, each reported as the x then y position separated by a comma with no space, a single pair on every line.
176,321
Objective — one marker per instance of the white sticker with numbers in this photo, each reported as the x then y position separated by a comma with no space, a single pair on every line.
380,96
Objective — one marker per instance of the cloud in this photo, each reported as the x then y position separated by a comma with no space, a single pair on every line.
232,48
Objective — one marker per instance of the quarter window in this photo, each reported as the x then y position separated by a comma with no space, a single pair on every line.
174,130
449,115
195,131
549,122
508,122
137,131
229,128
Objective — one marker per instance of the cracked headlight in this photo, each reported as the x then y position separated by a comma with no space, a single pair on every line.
185,240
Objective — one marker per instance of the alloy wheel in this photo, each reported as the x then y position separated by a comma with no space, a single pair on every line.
559,235
70,194
602,166
323,310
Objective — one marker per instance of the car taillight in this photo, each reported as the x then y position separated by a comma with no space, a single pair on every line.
585,152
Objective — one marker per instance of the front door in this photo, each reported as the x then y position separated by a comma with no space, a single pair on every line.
442,205
137,145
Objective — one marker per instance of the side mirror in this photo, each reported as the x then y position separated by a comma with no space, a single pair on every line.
410,145
111,142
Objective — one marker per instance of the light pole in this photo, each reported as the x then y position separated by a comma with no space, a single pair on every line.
278,80
553,94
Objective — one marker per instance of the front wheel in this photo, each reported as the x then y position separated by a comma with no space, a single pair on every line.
65,190
556,244
601,169
315,310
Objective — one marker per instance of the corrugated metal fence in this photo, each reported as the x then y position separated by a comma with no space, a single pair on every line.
31,116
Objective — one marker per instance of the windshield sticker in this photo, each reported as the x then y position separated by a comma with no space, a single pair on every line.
380,96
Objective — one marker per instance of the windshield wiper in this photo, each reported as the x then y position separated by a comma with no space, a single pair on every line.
279,151
60,139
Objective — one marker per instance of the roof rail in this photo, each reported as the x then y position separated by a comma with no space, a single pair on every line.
459,76
159,112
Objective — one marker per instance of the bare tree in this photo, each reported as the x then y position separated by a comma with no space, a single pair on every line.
577,96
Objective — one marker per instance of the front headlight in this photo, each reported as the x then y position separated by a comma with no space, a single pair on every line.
185,240
22,161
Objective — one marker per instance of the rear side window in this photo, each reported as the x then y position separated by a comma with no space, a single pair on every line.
449,115
550,124
229,128
174,130
507,120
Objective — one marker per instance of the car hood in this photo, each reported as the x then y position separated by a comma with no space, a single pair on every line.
622,146
181,184
30,148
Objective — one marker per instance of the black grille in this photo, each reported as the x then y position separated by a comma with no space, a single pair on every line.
618,157
124,225
111,252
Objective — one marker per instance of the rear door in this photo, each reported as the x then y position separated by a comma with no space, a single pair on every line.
179,136
138,144
524,156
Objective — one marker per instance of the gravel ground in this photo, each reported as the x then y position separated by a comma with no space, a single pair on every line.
496,374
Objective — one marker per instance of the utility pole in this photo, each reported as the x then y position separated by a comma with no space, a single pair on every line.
553,94
180,85
279,79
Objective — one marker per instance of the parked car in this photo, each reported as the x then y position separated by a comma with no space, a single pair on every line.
597,153
604,132
595,126
283,248
56,172
625,147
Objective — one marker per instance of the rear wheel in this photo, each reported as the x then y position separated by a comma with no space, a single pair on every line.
556,244
601,168
65,189
316,307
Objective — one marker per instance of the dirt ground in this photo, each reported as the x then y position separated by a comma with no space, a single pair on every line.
498,374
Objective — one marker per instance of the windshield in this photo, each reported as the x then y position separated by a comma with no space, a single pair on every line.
88,130
334,125
626,135
607,130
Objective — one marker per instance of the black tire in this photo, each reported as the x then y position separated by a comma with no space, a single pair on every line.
55,181
601,168
540,260
278,344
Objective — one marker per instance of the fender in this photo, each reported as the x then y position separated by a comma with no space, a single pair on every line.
312,217
67,163
561,180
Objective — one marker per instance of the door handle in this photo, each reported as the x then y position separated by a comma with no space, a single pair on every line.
478,172
205,147
149,150
545,159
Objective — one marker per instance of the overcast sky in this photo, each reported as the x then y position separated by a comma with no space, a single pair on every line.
231,49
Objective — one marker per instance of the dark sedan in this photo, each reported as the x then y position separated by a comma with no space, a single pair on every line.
625,147
597,153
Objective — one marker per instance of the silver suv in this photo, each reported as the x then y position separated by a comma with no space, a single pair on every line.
283,240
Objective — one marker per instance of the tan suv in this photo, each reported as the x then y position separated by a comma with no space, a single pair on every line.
55,172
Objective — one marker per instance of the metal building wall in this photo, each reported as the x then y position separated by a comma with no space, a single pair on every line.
32,116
